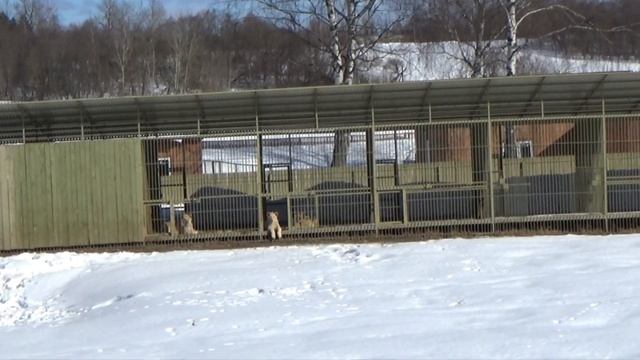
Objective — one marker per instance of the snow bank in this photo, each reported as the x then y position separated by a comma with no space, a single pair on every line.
26,282
540,297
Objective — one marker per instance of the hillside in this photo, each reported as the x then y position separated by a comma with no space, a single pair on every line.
435,61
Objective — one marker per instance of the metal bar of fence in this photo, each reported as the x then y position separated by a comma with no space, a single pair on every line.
489,155
371,160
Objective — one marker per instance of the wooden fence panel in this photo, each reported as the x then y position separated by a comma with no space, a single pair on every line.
71,194
39,208
8,218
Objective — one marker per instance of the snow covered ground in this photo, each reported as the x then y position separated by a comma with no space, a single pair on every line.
233,159
434,61
538,297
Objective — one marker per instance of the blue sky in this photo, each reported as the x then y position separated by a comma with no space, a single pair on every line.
76,11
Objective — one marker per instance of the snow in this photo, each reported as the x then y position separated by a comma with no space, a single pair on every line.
315,153
435,61
537,297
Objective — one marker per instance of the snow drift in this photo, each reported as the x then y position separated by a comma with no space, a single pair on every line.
540,297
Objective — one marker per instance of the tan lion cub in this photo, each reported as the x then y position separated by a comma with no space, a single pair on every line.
273,225
187,225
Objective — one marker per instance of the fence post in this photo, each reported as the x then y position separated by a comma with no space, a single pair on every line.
603,143
259,170
490,167
373,174
480,167
587,157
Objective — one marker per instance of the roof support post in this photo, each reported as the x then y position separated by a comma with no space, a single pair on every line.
315,107
201,113
81,125
24,130
138,115
24,114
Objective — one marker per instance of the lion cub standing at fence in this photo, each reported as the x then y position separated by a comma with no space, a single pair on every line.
273,225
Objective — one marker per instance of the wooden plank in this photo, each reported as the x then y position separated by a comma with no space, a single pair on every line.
45,210
31,194
139,184
121,189
60,194
48,200
129,195
79,178
5,205
115,154
21,240
109,225
98,208
32,191
91,193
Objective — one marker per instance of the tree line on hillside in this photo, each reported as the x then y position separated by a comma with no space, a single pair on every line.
134,47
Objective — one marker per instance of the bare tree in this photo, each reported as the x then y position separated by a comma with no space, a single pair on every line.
36,13
350,33
518,12
183,37
472,26
118,22
154,16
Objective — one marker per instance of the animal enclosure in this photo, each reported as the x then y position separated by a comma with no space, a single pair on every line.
479,155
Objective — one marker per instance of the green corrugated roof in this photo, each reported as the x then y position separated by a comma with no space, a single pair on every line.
335,106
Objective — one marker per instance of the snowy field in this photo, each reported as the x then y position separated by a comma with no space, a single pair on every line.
232,159
540,297
434,61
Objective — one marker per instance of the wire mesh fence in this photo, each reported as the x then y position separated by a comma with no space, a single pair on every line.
477,176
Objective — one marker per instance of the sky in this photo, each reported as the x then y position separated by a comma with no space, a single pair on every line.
77,11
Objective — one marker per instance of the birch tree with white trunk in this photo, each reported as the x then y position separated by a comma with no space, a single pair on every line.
344,41
117,21
516,13
183,37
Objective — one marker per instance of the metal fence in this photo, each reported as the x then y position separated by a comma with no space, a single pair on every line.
566,173
487,171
